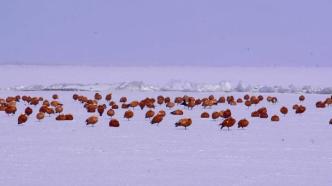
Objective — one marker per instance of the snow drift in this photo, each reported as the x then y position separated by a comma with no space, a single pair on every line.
174,85
315,80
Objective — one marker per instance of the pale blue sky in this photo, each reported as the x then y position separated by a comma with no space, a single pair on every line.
168,32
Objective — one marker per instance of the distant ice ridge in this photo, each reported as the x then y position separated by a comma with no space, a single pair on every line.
175,85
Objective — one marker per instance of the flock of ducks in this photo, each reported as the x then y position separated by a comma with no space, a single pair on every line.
97,107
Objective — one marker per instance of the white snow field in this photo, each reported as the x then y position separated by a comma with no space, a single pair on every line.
168,78
295,151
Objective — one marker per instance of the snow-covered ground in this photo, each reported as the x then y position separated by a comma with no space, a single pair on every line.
172,78
295,151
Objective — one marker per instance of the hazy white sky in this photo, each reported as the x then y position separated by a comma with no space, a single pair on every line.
168,32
